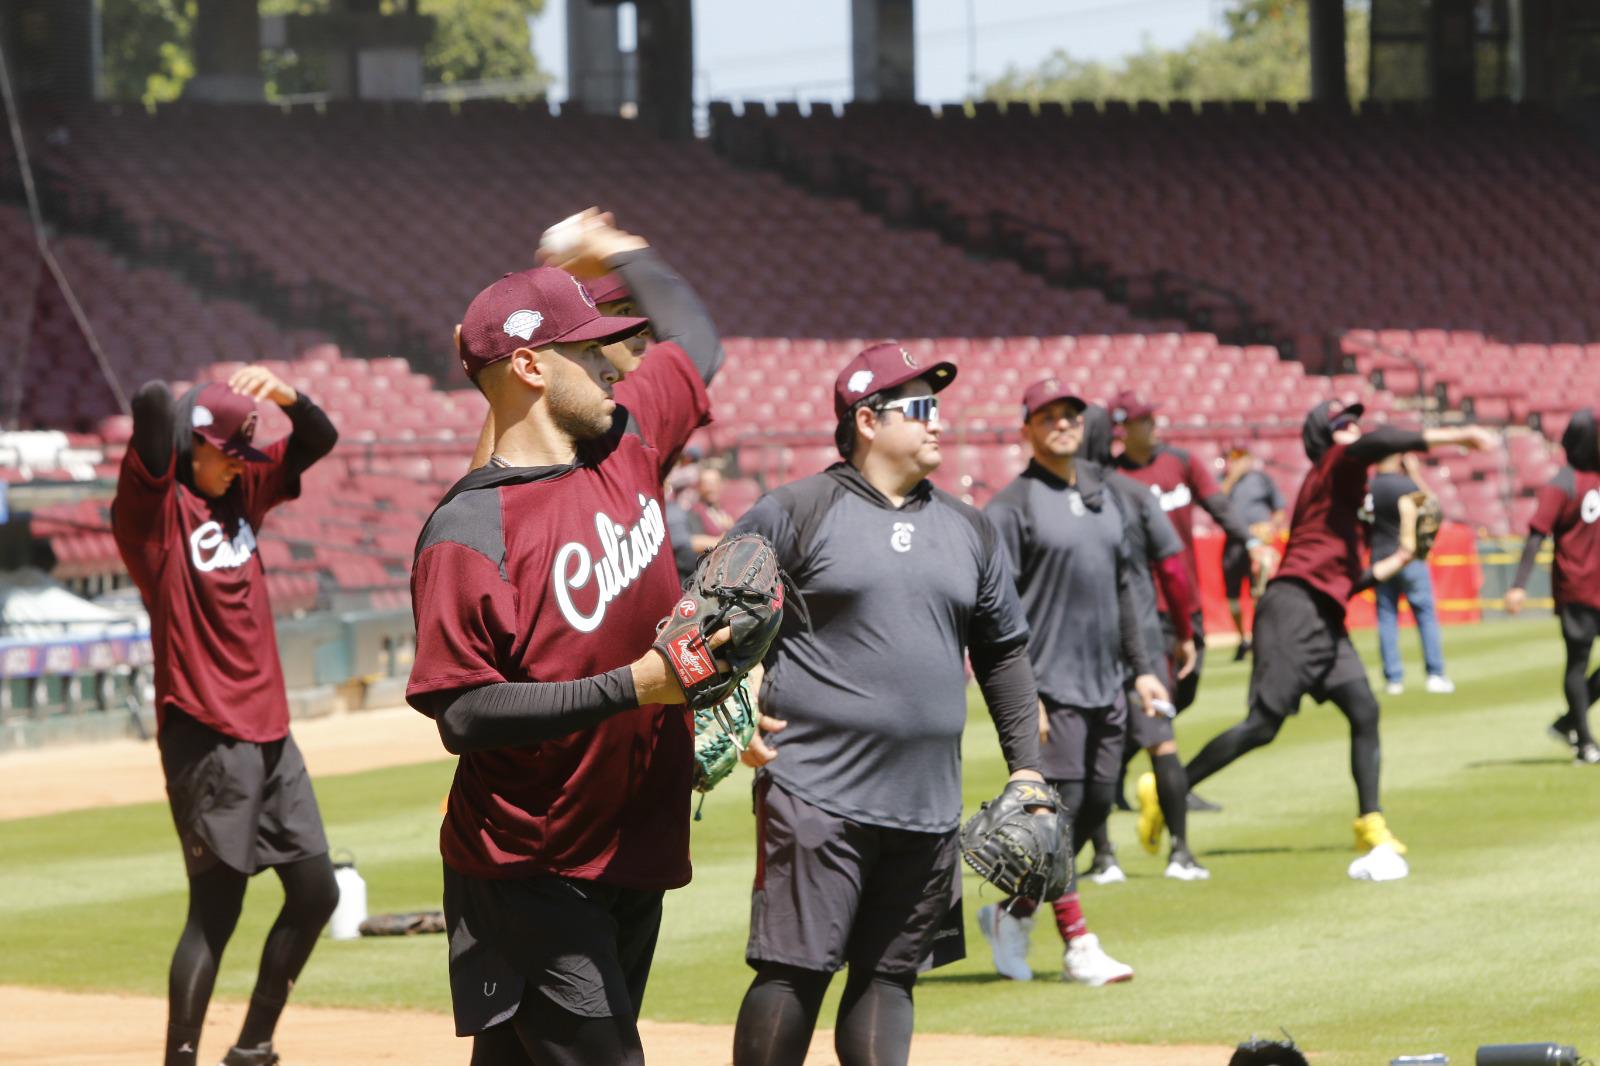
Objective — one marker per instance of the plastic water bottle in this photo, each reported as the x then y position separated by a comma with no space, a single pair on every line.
1527,1055
352,909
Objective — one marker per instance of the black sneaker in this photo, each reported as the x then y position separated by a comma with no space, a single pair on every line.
1241,651
260,1055
1182,866
1201,805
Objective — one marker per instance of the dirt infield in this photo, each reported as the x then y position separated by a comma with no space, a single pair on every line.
76,776
51,1029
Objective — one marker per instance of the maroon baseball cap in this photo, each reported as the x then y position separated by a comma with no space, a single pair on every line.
534,309
609,288
1127,406
227,420
880,367
1045,392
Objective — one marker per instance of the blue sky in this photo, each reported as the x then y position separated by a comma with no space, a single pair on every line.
801,48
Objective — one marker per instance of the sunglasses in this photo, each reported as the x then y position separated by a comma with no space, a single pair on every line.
914,408
1341,421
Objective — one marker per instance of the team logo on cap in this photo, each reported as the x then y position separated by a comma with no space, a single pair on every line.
912,363
247,429
583,290
523,323
860,381
201,417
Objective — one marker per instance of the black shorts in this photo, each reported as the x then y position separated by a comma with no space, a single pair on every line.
830,891
587,947
1235,569
1580,624
1301,649
1085,743
246,805
1146,731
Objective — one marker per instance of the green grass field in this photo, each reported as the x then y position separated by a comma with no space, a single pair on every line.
1493,938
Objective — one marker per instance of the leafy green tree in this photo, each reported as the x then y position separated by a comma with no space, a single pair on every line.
478,39
1263,53
146,55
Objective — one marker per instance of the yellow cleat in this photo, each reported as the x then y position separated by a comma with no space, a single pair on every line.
1371,830
1151,822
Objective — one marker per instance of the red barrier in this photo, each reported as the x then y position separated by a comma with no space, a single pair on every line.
1457,583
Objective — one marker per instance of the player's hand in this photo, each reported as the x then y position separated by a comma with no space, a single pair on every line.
1479,438
1037,778
653,680
758,752
1150,689
259,383
1188,658
585,244
1515,599
1044,724
1263,562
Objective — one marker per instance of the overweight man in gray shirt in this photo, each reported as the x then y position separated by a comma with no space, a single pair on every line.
857,817
1066,537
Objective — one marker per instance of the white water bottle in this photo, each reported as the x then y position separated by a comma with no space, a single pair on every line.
352,908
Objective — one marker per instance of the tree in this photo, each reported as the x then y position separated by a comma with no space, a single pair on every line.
1263,54
147,53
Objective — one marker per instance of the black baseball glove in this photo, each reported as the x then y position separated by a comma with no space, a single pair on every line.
1429,518
1022,854
738,585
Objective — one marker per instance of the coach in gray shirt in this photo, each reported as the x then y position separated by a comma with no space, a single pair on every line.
1066,537
857,818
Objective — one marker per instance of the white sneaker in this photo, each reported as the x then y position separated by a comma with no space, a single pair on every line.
1395,688
1382,863
1440,685
1106,871
1008,941
1087,964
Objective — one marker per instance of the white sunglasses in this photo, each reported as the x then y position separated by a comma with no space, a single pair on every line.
915,408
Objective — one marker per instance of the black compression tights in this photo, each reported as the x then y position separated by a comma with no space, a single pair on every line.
215,898
780,1010
1582,690
1089,804
1172,793
1354,700
544,1034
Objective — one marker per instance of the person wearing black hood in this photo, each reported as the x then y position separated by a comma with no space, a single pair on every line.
191,497
1156,559
1302,647
1569,511
857,816
1066,536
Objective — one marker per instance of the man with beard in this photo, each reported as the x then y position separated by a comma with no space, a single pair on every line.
1569,510
857,817
538,583
1302,647
1066,537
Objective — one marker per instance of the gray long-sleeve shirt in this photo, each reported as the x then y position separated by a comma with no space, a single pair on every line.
1074,577
875,692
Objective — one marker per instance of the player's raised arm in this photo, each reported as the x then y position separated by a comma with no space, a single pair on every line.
312,434
591,244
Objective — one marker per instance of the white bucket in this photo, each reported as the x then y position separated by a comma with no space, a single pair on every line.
352,909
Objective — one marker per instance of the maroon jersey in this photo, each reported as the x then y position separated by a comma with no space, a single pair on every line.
554,574
1178,483
196,565
1569,508
1324,549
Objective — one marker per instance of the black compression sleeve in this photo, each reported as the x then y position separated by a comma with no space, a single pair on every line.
1133,650
1219,507
1385,441
1530,554
675,311
509,714
1006,680
312,437
152,427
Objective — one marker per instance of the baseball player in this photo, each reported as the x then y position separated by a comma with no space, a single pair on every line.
857,817
1155,559
1255,501
1302,647
538,583
1066,537
1397,477
1569,508
191,498
1179,483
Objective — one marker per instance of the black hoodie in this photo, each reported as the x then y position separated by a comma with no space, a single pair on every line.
1582,443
